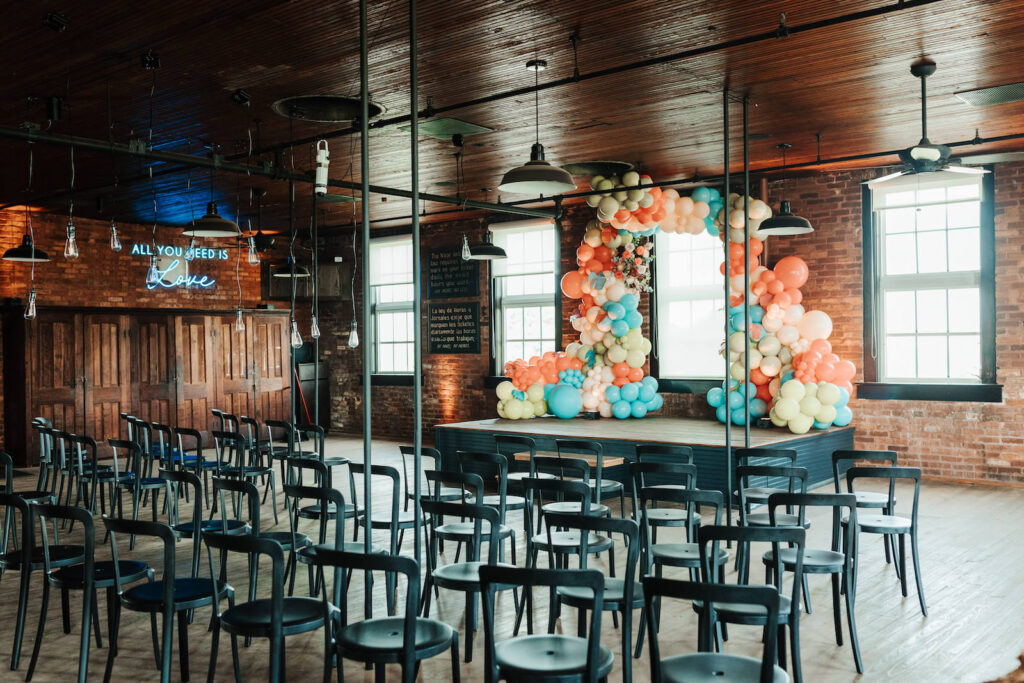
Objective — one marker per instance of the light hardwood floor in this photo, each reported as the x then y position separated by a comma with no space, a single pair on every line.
972,562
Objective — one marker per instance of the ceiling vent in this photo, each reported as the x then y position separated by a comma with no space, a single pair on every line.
1000,94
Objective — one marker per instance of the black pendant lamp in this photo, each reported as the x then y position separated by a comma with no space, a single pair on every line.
212,225
537,176
784,222
26,252
486,251
284,270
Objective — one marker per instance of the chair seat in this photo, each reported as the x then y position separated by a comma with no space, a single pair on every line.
235,526
881,524
683,554
103,573
312,511
871,499
377,637
253,618
188,592
307,554
782,519
518,476
606,485
548,654
109,476
130,479
245,471
705,667
670,516
463,531
573,508
286,539
816,561
462,575
758,495
60,556
336,461
569,541
406,519
614,588
511,502
447,494
33,496
744,613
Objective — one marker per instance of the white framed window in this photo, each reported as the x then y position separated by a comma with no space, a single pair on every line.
689,296
927,274
391,301
524,290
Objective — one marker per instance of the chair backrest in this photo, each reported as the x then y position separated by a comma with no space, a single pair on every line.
479,514
14,504
510,444
492,577
603,526
251,497
83,449
467,482
44,428
322,494
841,542
358,468
375,562
664,453
694,500
163,532
219,417
129,421
426,453
251,431
655,473
281,426
494,466
174,480
773,456
892,474
197,442
164,446
537,490
656,589
230,422
568,447
843,460
7,463
314,432
795,477
47,513
230,448
562,467
133,457
144,437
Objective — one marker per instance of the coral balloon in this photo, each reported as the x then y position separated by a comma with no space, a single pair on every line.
572,283
792,271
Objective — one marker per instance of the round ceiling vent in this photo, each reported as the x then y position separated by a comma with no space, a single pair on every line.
324,108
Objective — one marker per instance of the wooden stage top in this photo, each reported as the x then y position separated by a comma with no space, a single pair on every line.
681,430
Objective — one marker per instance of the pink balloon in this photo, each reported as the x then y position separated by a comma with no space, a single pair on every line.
845,372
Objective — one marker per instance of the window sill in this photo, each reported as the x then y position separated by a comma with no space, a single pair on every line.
970,393
388,380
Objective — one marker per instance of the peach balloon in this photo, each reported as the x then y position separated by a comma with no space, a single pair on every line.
792,271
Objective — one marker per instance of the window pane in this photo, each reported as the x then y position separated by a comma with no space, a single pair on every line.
385,358
531,349
387,327
547,320
931,217
899,357
931,195
965,357
931,358
899,312
970,191
899,220
899,198
900,254
514,323
931,252
964,214
931,306
964,310
964,249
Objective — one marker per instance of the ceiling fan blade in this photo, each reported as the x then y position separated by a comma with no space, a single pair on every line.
967,170
885,178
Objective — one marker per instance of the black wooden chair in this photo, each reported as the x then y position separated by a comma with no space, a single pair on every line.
545,657
88,577
404,640
665,453
275,617
231,449
662,475
837,560
135,479
178,480
430,459
844,460
510,445
44,430
756,493
603,488
706,665
892,524
166,597
796,482
493,467
658,555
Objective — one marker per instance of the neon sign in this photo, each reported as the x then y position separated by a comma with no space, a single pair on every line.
172,265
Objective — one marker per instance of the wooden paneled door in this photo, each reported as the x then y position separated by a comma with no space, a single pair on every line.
107,378
273,359
193,360
154,378
56,371
233,365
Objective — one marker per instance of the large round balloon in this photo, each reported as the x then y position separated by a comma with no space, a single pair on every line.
572,283
791,271
565,402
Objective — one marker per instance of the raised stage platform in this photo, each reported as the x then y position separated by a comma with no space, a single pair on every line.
620,437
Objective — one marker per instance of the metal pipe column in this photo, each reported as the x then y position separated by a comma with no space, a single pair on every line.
746,271
417,294
291,261
725,240
364,172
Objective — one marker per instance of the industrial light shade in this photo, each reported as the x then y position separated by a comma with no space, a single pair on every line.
284,270
26,252
482,252
785,223
537,176
212,225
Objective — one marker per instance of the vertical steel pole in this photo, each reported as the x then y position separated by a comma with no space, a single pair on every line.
725,235
316,316
417,341
746,271
294,282
364,201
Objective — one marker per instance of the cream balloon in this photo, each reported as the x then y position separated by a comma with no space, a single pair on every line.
815,325
827,414
809,405
793,389
793,314
786,409
801,424
828,394
788,334
770,366
504,390
769,345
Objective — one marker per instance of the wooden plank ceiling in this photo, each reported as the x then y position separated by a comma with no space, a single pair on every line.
850,82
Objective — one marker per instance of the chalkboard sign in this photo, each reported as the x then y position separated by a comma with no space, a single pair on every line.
453,328
450,277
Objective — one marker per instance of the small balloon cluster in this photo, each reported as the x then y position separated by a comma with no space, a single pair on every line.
784,342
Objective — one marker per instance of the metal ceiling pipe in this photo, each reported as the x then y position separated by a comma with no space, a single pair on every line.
772,34
364,160
746,269
725,242
221,164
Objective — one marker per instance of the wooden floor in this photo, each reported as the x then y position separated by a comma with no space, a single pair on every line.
973,566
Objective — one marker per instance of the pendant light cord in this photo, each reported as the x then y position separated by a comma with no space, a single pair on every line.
536,102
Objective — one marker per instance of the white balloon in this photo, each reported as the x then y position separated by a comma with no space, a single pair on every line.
793,314
788,334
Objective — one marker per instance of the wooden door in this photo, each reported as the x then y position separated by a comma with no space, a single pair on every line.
194,369
54,390
107,378
273,357
233,363
153,369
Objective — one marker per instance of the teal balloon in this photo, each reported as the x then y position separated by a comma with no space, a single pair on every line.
701,194
716,396
788,376
638,409
736,322
650,381
758,408
711,228
548,388
756,314
629,301
611,394
843,416
615,310
565,402
822,425
634,319
622,409
722,413
844,398
735,400
737,416
646,392
716,206
630,392
751,390
655,403
620,328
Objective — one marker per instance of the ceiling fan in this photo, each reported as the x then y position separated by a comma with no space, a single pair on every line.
926,157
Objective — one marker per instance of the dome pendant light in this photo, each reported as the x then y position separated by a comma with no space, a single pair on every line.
482,252
212,225
26,252
784,222
537,176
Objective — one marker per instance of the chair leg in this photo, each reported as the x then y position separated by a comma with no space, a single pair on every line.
65,610
19,627
456,674
903,564
917,570
470,623
182,635
851,622
794,647
836,615
114,616
640,633
627,640
273,495
44,605
89,612
214,646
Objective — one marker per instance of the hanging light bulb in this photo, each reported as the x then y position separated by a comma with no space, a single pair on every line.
254,256
153,276
314,329
70,244
239,321
353,337
115,241
466,253
296,337
30,310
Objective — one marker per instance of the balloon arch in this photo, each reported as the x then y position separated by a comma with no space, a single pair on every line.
795,378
